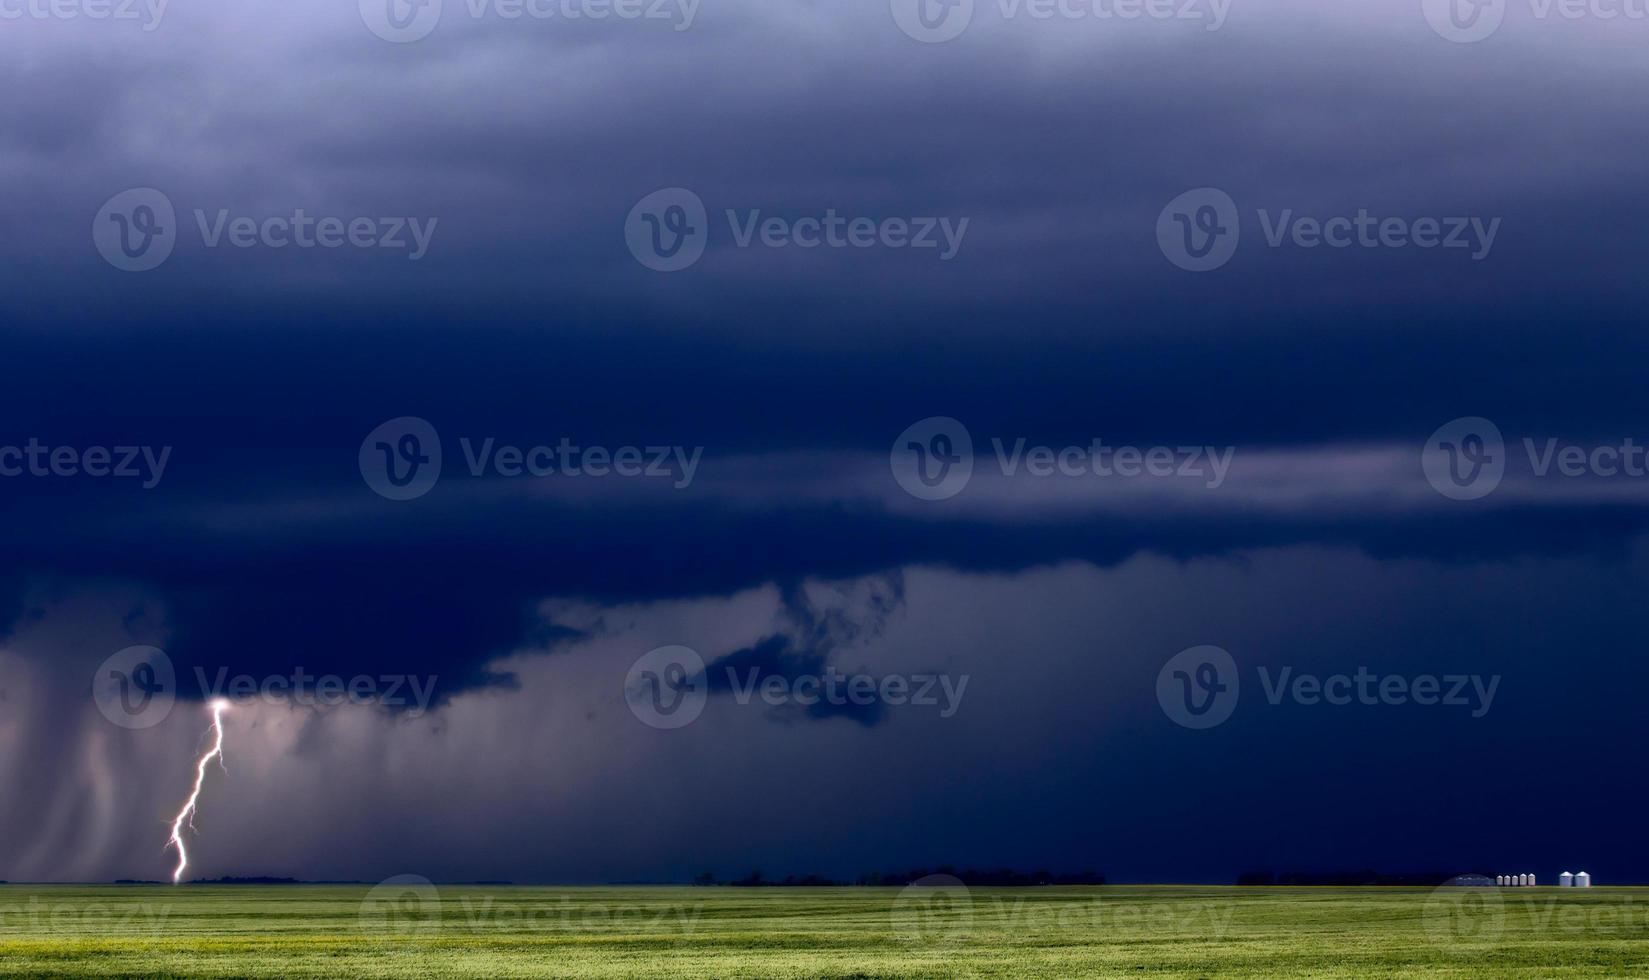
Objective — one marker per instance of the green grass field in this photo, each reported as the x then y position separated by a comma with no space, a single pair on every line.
479,931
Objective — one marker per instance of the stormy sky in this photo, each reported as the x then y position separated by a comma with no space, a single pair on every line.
775,380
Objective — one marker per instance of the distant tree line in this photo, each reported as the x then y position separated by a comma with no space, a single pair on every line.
1003,877
231,881
1343,879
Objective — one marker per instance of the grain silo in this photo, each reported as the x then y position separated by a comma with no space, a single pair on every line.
1522,880
1532,881
1566,880
1583,880
1500,880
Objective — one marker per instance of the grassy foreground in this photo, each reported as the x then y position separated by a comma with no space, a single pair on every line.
411,929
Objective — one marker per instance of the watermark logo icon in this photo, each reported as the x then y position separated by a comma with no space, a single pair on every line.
136,687
401,459
933,21
1199,230
1199,688
10,697
1464,21
404,906
667,230
401,21
135,230
934,910
1464,914
1465,459
667,688
933,459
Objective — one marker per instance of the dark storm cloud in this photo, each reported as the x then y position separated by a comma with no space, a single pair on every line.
1060,753
530,144
1059,320
808,646
271,551
776,657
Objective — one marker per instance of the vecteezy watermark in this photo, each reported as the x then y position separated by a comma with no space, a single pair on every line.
932,911
1466,459
669,229
146,13
1094,911
933,460
668,688
574,915
840,690
137,229
410,692
1463,915
404,907
1199,688
401,460
34,458
136,687
1469,21
1199,230
115,915
938,21
9,695
1470,913
940,909
404,21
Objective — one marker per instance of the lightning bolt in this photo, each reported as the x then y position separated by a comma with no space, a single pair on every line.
187,814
